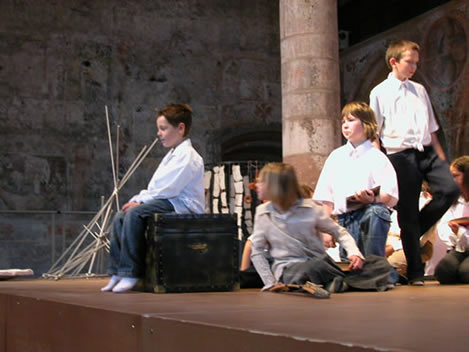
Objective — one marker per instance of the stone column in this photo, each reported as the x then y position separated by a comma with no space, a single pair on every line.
310,84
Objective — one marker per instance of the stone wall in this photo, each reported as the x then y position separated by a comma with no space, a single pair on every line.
61,62
443,35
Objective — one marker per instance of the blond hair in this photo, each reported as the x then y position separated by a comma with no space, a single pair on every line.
365,114
397,48
281,183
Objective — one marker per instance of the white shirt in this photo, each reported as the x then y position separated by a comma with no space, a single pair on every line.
459,241
404,114
179,178
348,170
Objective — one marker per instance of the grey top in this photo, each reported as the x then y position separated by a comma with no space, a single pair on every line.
294,236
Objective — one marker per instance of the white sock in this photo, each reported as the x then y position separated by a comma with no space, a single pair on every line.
112,282
125,284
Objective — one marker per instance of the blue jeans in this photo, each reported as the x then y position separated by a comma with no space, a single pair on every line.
369,228
127,250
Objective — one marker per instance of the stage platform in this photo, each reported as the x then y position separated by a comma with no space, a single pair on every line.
73,315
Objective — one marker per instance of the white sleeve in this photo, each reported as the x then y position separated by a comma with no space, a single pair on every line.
323,190
375,106
444,231
169,179
432,124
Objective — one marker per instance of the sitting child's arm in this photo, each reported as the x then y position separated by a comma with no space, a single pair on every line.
258,258
325,224
366,196
263,269
460,236
328,240
246,259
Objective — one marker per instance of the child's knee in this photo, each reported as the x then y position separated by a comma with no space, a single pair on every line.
379,212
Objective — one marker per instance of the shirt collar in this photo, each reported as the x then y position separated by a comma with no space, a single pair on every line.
359,150
186,143
268,207
461,200
396,83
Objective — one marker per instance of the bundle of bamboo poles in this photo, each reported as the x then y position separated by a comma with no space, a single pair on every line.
75,258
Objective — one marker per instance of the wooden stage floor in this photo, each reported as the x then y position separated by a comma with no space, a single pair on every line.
73,315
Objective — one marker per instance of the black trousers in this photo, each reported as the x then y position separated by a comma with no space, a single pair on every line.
453,268
412,168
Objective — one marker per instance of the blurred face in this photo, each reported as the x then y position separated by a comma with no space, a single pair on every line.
352,129
169,135
458,176
261,189
405,68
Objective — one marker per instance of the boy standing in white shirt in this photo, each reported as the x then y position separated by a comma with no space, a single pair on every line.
407,130
177,186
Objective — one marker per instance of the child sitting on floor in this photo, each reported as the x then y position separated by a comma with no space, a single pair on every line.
288,229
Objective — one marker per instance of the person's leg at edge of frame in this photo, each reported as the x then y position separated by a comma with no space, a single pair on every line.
447,270
464,269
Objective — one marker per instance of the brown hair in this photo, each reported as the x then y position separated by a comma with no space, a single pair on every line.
462,165
365,114
397,48
176,114
282,184
306,190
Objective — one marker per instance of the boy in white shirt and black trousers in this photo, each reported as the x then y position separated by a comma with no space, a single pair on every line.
177,186
407,130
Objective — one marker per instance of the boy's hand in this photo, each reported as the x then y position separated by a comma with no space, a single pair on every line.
365,196
356,262
328,241
129,205
454,227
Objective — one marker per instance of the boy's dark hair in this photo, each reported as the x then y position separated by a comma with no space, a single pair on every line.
177,113
397,48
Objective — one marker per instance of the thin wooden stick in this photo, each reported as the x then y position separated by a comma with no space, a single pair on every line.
111,153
